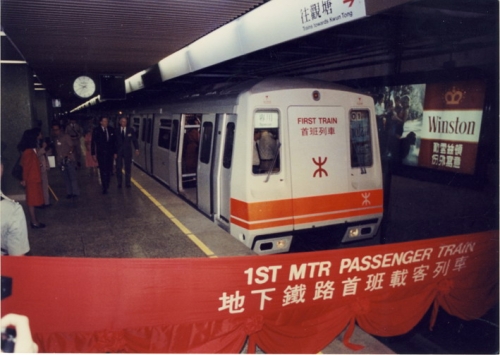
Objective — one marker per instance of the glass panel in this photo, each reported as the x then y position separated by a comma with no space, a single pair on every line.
361,143
228,146
175,136
206,142
164,138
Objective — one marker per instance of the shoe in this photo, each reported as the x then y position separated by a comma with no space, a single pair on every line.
119,186
128,186
68,196
104,191
37,226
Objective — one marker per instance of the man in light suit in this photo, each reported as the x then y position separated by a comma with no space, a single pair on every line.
103,151
125,139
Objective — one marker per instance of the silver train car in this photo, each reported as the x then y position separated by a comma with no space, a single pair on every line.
267,159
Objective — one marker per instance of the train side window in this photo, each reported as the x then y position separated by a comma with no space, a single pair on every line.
206,142
266,143
164,135
175,136
228,146
361,141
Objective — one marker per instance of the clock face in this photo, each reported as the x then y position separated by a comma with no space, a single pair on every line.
84,86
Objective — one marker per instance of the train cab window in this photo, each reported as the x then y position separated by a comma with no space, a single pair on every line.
266,143
361,142
228,146
206,142
164,135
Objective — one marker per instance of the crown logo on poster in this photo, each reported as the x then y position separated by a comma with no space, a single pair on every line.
453,96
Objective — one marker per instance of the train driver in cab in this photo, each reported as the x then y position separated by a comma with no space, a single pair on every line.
256,154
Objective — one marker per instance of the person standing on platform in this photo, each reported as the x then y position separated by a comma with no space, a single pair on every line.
74,130
103,150
90,163
14,232
65,160
126,138
41,152
32,175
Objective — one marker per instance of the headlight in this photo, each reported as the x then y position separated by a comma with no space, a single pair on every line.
353,233
280,244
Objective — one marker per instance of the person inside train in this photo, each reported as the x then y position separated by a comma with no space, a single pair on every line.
256,154
267,149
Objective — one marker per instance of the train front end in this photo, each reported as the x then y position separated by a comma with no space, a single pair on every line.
315,163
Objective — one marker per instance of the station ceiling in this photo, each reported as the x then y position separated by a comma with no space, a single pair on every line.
62,39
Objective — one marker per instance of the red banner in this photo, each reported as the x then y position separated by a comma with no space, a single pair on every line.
286,303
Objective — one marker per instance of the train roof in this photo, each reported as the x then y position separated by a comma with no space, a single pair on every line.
280,83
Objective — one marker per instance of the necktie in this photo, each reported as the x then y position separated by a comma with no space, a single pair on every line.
107,135
123,133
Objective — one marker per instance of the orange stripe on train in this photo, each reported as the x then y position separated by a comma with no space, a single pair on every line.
288,208
307,219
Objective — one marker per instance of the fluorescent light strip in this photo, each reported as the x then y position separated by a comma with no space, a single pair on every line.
13,62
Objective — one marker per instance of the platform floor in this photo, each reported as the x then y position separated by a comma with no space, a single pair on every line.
139,222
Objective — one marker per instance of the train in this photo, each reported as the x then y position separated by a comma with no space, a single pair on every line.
269,158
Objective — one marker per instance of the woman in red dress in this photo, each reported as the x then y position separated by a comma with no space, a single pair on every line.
32,175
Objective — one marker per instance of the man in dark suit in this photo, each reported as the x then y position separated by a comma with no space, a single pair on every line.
125,139
103,149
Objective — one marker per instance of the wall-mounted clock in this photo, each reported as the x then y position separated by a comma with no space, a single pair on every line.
84,86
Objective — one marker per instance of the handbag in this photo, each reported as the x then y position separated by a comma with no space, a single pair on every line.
17,170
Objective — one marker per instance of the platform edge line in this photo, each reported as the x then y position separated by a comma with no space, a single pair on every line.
205,249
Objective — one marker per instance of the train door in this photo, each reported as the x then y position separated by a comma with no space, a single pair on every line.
223,155
319,162
161,149
172,154
205,163
187,155
147,139
139,160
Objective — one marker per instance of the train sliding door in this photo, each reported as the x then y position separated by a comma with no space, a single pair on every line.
205,163
161,152
223,155
172,154
187,155
147,139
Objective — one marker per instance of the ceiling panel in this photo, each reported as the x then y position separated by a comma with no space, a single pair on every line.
62,39
66,38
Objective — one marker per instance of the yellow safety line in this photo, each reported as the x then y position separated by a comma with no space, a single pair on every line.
178,223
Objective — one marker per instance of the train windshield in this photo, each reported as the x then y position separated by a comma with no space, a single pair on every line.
361,142
266,143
